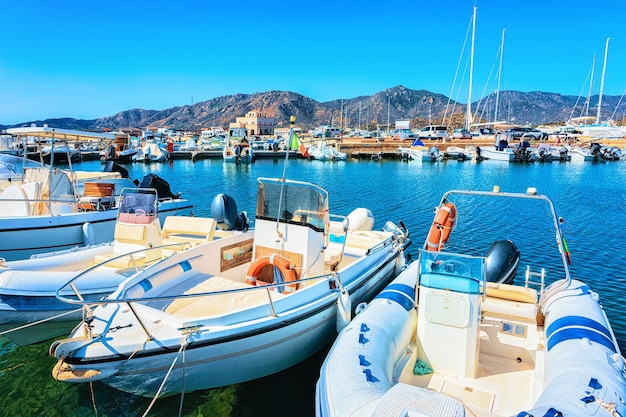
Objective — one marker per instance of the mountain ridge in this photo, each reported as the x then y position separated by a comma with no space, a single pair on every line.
367,112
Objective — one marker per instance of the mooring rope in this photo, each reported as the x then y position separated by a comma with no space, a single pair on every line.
169,371
34,323
93,398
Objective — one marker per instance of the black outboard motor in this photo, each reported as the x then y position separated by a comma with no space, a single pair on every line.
224,211
159,184
111,166
502,262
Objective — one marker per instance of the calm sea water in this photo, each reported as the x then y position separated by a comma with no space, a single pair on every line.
591,197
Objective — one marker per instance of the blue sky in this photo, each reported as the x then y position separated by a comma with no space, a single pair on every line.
89,59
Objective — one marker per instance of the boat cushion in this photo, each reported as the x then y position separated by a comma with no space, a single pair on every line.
407,400
194,307
509,308
512,292
195,230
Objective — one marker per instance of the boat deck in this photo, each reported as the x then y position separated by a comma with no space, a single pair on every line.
509,376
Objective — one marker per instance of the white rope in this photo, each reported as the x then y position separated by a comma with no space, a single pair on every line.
169,371
34,323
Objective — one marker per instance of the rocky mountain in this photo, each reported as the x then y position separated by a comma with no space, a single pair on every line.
421,106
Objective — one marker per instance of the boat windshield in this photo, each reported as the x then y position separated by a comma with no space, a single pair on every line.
452,271
292,202
138,201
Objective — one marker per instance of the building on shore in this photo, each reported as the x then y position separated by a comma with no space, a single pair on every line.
256,123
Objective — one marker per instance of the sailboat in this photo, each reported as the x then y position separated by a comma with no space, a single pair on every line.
598,129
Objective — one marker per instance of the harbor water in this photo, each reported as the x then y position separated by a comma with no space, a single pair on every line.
591,198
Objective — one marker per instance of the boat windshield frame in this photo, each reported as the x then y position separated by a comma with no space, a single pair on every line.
293,202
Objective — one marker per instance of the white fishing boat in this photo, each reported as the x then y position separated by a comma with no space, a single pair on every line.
238,308
237,149
546,152
48,209
29,309
419,152
150,152
461,153
501,151
442,341
322,151
580,154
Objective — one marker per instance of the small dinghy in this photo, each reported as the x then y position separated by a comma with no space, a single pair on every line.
442,340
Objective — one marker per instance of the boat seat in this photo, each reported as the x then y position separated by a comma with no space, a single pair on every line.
129,238
510,301
213,305
97,196
195,230
33,194
14,202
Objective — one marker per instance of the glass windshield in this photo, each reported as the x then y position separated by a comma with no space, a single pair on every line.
292,202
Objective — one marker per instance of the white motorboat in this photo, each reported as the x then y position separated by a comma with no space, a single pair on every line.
29,309
237,149
322,151
441,340
45,209
419,152
461,153
150,152
238,308
501,151
580,154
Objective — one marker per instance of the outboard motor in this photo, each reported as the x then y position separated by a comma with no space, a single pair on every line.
615,153
224,211
434,153
111,166
159,184
595,149
502,262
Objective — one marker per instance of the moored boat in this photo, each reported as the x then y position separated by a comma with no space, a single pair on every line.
419,152
237,148
441,340
46,208
239,308
29,309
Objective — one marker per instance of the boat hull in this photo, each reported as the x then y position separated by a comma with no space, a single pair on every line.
226,355
22,237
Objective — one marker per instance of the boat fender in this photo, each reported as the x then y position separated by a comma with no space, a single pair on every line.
360,308
89,233
344,308
444,222
284,266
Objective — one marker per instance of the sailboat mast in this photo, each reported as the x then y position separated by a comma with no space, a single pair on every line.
469,98
495,115
606,53
593,69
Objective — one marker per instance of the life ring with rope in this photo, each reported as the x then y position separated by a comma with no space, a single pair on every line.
444,222
283,264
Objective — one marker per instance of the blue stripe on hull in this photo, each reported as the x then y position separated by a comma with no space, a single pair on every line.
576,333
401,294
579,321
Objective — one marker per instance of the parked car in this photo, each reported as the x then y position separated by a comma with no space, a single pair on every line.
461,134
526,132
434,132
402,134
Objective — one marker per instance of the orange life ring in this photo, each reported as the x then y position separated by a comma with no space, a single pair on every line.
439,234
284,266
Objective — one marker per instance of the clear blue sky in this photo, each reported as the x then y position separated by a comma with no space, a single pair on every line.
90,59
